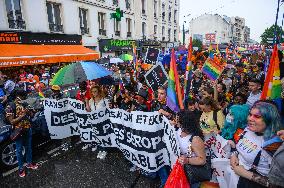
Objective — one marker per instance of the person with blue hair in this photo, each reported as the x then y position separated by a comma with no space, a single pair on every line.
235,119
249,161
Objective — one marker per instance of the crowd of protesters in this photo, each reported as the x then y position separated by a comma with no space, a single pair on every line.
227,106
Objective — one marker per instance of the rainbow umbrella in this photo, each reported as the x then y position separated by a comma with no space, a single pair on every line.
77,72
126,57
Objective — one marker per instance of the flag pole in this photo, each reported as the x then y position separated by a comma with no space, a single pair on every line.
275,27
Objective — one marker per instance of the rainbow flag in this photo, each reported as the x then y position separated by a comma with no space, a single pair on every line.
188,73
217,49
272,85
210,51
227,52
40,94
174,99
208,184
134,58
212,69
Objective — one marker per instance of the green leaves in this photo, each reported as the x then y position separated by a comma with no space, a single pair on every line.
268,34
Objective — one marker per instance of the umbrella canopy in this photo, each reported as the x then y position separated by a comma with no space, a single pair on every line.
116,60
104,60
241,49
126,57
78,72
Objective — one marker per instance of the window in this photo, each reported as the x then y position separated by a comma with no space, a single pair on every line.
115,2
143,30
175,35
143,6
127,4
169,34
170,13
83,21
101,20
116,27
128,23
175,16
155,29
163,33
54,17
155,8
14,14
163,12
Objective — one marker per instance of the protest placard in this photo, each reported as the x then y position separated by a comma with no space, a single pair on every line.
156,77
152,56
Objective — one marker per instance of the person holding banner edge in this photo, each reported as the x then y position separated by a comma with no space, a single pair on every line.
98,101
191,141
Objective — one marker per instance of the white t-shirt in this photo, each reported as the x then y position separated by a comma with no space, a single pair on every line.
183,142
102,103
253,98
248,148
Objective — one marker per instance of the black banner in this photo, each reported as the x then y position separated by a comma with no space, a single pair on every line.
14,37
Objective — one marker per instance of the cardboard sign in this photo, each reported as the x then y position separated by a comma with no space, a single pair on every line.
156,77
152,56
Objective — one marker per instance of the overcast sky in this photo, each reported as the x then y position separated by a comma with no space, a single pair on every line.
258,14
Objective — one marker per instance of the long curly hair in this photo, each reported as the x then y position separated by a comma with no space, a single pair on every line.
190,123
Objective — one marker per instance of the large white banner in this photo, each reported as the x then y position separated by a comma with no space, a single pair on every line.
220,151
145,138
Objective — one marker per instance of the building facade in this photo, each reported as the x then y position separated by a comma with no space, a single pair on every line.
157,21
210,28
219,29
122,21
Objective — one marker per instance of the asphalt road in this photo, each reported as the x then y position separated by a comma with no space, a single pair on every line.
77,168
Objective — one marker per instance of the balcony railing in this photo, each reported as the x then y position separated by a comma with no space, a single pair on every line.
17,24
84,30
128,34
55,27
117,33
102,32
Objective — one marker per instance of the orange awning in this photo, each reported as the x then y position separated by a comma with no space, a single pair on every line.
24,54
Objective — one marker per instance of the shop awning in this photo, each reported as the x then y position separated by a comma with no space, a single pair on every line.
25,54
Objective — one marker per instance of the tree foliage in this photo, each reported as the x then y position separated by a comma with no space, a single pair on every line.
197,43
269,33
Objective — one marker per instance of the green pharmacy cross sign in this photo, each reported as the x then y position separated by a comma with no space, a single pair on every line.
117,15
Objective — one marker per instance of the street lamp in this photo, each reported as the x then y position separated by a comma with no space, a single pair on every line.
183,31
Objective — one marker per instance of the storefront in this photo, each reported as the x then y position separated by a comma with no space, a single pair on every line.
27,48
115,47
145,44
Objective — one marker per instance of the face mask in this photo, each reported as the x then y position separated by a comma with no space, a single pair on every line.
127,78
229,118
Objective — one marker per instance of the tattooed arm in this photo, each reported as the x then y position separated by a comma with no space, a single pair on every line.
241,171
